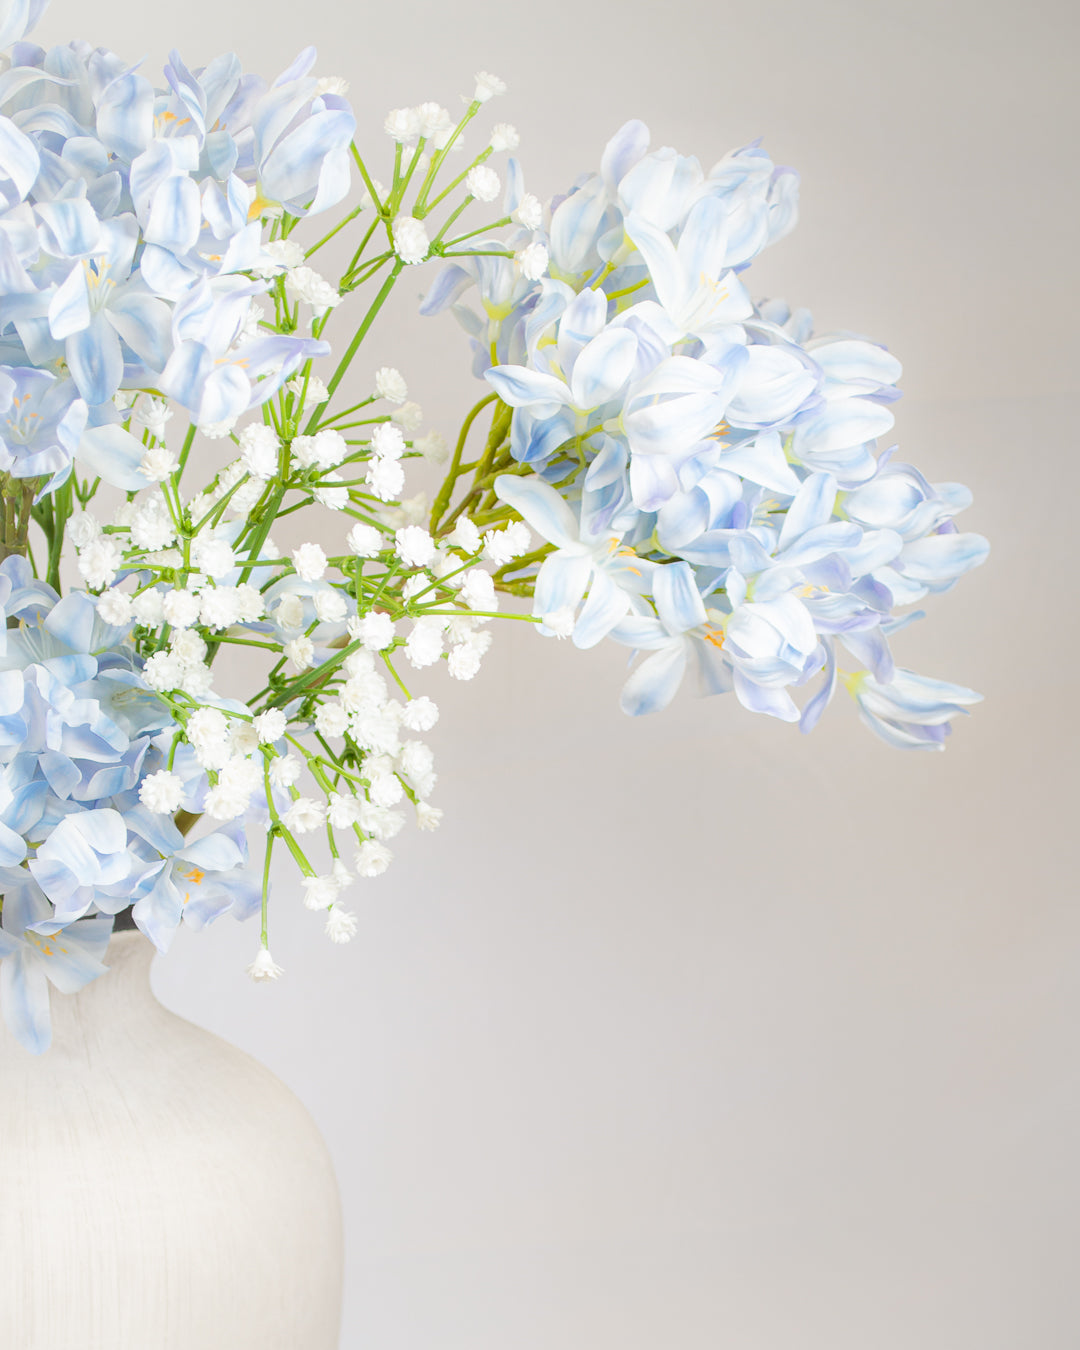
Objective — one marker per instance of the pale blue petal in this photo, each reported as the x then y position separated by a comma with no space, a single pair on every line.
678,601
560,583
773,701
772,388
24,993
813,505
519,387
603,368
95,360
622,152
112,454
606,606
943,557
654,683
540,506
69,309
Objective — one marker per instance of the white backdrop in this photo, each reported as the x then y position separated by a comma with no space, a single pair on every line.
690,1032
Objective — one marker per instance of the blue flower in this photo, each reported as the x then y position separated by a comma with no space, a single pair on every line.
41,421
36,950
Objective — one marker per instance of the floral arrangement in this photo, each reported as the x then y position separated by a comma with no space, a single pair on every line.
657,459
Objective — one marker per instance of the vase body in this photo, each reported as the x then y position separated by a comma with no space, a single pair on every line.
159,1189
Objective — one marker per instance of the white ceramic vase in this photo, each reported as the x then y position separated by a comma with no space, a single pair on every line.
159,1189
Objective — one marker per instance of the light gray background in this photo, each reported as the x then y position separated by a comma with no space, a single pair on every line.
690,1032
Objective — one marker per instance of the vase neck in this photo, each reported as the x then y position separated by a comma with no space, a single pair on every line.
111,1000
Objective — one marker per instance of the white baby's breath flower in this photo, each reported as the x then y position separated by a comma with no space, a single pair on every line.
259,450
278,256
376,631
390,385
152,526
162,671
81,528
533,261
304,815
162,792
420,714
285,770
319,892
330,448
217,431
332,84
187,646
289,612
415,759
478,589
385,789
487,86
465,536
249,602
411,242
529,212
226,803
483,183
206,725
147,608
463,662
341,924
387,441
270,726
342,810
372,858
331,719
380,822
414,546
245,497
504,137
316,391
115,607
213,555
402,125
309,561
365,541
264,967
503,546
385,478
218,607
180,609
433,447
416,585
333,498
99,561
158,463
372,731
308,285
197,681
243,741
330,606
424,645
428,817
432,119
560,622
300,653
152,413
410,417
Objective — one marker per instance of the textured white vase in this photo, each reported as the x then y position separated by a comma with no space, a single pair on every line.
159,1189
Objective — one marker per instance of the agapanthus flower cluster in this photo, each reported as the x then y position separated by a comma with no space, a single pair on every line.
702,475
704,469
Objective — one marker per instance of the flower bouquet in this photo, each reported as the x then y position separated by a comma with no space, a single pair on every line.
657,459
